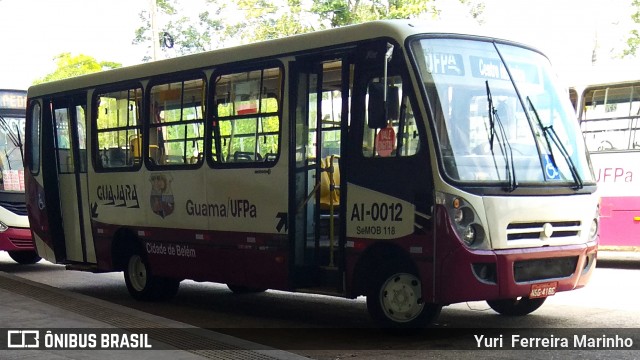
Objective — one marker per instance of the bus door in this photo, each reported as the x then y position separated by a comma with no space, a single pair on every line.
73,243
321,92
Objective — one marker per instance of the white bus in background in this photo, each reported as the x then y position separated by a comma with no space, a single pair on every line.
15,235
609,116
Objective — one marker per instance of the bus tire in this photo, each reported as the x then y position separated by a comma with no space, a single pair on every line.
395,301
143,285
25,257
516,306
239,289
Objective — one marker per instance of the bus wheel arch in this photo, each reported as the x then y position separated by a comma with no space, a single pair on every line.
142,284
25,257
124,243
369,264
389,278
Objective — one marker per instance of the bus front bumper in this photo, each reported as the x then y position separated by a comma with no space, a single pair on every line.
16,239
513,273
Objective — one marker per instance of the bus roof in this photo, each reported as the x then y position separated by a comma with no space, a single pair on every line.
396,29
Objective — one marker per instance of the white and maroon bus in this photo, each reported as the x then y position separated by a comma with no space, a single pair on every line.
15,235
415,166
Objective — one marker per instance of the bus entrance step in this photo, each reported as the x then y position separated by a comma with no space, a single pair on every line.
83,267
329,275
320,290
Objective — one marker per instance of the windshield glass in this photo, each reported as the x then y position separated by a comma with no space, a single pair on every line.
500,116
11,142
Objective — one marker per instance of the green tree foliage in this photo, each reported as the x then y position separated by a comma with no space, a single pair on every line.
476,9
70,66
181,33
222,23
336,13
633,41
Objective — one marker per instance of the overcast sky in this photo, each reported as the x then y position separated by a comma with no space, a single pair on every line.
34,31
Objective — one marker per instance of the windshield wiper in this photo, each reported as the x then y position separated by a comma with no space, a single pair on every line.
503,142
550,134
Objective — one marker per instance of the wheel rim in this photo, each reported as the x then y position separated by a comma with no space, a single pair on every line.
137,273
401,298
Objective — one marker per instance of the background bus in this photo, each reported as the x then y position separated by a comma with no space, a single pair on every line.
15,235
416,167
609,115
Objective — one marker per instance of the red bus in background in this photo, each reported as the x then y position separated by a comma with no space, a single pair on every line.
15,235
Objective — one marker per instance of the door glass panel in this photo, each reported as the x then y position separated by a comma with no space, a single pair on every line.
62,143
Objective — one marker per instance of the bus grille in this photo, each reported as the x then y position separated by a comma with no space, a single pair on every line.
536,230
15,207
543,269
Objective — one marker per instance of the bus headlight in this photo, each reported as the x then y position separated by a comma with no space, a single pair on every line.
593,231
3,227
595,225
464,220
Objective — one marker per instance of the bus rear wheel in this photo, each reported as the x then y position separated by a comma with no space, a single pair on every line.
25,257
516,306
395,301
143,285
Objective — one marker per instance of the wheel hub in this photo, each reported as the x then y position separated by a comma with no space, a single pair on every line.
401,297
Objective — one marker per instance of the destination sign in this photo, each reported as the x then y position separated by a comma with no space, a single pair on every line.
445,63
493,68
452,64
13,99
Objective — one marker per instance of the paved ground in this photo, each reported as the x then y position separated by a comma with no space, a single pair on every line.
76,320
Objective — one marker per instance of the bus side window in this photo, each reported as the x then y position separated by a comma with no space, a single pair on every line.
400,137
247,116
117,119
176,128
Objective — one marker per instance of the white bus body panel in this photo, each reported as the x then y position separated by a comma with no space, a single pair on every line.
531,213
13,220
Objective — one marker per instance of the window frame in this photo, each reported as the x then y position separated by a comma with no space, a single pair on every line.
147,114
35,145
95,148
213,132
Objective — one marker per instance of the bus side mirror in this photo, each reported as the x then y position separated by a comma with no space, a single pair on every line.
380,111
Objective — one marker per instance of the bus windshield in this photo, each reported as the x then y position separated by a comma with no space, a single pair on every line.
11,153
500,116
12,122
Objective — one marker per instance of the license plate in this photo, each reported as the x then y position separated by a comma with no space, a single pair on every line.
543,290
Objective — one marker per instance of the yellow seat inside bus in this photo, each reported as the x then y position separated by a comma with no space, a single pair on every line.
135,144
330,175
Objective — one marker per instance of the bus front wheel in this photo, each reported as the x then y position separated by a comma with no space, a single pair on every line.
517,306
25,257
143,285
395,301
